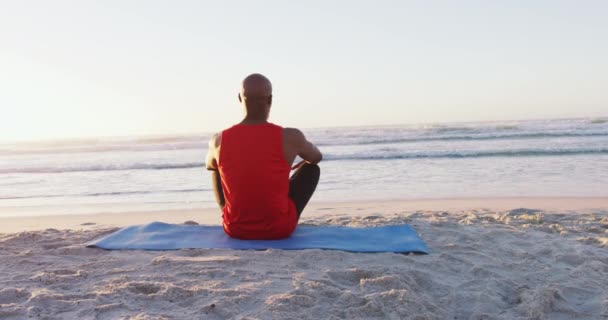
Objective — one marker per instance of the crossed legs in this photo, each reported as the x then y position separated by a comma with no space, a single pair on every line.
302,185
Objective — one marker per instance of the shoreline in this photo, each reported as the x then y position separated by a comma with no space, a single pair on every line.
93,221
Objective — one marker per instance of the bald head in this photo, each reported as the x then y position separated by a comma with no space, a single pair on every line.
256,86
256,94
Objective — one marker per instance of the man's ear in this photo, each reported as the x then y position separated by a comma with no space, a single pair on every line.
240,100
270,99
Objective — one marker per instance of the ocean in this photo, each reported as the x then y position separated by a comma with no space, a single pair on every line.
565,157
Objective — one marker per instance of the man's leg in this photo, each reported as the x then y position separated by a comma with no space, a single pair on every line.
216,182
302,185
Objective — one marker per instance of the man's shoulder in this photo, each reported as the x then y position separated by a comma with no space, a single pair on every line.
293,137
215,139
292,133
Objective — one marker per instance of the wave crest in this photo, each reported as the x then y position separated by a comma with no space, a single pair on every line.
386,154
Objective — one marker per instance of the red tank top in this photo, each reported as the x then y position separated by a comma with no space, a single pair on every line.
255,181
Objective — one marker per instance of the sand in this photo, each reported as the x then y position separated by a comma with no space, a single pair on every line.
490,259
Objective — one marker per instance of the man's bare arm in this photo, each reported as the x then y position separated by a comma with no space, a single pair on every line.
211,161
306,149
211,164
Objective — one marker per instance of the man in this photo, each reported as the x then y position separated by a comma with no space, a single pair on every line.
251,162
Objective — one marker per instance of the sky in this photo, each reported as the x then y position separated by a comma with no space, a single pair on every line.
75,69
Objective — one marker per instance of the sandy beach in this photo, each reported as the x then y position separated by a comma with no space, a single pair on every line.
510,258
475,134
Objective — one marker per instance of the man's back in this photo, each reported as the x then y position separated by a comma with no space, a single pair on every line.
255,181
251,163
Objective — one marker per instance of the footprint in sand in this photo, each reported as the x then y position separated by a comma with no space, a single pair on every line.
59,276
350,277
144,288
13,295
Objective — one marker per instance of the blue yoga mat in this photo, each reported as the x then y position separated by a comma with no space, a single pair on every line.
163,236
